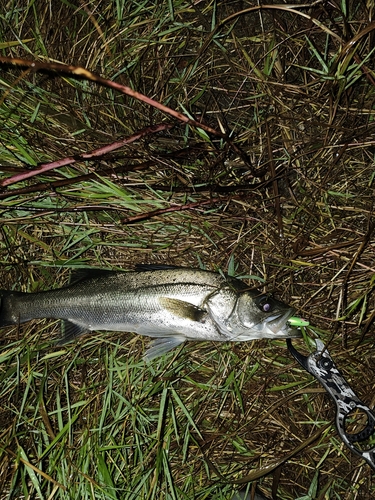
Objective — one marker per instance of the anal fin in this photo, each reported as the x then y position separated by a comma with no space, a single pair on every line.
70,331
161,345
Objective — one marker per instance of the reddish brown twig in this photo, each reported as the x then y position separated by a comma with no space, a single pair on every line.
115,170
89,75
69,160
174,208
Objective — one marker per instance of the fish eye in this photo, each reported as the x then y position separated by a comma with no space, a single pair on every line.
265,303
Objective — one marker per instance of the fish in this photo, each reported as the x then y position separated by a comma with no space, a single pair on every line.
170,304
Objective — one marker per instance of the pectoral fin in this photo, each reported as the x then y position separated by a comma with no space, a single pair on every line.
161,345
182,309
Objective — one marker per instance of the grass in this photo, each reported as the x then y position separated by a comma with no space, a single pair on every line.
282,195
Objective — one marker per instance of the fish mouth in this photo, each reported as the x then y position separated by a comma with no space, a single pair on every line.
278,325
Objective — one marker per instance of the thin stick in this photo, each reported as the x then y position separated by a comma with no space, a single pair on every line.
69,160
174,208
89,75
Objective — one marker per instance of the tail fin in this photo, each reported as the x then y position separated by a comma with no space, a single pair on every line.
8,313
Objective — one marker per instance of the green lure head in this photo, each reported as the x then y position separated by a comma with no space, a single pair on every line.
294,321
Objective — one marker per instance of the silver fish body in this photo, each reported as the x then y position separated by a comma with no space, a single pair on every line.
170,304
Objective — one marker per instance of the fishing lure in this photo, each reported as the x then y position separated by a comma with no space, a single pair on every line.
322,367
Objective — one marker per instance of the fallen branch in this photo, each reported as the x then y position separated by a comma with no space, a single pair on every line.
161,211
69,160
124,89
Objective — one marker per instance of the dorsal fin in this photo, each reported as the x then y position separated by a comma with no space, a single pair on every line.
155,267
83,274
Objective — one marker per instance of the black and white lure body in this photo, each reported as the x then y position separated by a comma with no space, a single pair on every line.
322,367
